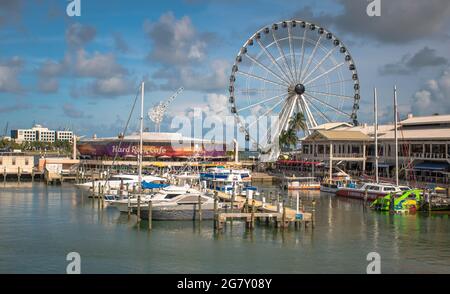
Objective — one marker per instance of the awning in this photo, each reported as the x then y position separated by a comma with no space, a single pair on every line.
435,166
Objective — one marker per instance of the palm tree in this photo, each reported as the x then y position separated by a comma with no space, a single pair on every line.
288,138
298,122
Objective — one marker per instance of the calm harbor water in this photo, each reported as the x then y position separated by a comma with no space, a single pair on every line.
39,225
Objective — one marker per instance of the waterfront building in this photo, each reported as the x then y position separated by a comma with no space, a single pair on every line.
156,146
39,133
424,148
16,163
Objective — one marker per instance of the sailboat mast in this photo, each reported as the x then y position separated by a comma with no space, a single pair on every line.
141,130
375,110
396,136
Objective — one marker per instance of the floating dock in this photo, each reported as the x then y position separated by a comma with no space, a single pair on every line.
252,209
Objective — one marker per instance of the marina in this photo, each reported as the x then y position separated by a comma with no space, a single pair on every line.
197,139
54,219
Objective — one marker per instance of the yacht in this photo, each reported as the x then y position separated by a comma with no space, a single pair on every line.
116,180
165,193
215,173
179,206
374,190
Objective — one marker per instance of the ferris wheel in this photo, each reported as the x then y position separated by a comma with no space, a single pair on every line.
287,68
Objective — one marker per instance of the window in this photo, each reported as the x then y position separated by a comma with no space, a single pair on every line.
27,162
13,161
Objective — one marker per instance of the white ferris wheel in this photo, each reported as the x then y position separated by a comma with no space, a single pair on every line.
290,67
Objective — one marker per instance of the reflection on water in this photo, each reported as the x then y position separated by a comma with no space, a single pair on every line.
40,224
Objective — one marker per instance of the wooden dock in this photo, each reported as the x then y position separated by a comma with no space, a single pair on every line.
263,177
252,209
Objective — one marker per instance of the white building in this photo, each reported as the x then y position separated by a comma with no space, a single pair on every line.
423,150
40,134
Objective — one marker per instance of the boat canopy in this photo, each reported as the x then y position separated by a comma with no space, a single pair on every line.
151,185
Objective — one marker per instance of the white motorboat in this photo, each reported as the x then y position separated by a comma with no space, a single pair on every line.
164,194
374,190
184,206
115,182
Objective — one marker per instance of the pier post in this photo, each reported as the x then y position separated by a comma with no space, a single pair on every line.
32,175
98,195
215,210
150,207
200,208
138,213
4,175
252,222
102,200
93,187
283,217
129,206
313,214
18,175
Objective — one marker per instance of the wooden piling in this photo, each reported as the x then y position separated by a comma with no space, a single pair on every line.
283,217
200,208
215,210
129,206
150,207
98,195
252,220
18,175
138,213
313,215
102,200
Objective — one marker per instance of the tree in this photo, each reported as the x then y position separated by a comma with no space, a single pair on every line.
289,137
298,122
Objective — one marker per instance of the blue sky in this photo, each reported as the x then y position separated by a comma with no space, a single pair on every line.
82,72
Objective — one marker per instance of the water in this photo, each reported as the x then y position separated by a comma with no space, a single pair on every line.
39,225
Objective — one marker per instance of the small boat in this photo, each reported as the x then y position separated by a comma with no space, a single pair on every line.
331,186
409,201
215,173
373,190
184,206
301,183
232,183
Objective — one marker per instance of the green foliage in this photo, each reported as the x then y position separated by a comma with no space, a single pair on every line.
289,137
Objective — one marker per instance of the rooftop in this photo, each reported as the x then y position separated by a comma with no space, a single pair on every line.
426,120
151,137
338,136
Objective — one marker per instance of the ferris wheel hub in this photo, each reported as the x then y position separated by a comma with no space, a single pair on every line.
299,89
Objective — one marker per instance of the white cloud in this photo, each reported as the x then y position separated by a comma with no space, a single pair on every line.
9,71
434,97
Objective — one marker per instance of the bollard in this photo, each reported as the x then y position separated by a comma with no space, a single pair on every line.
138,209
200,208
150,208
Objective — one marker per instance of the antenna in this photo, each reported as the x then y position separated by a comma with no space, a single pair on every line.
156,114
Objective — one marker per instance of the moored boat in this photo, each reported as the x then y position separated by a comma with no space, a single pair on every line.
369,191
